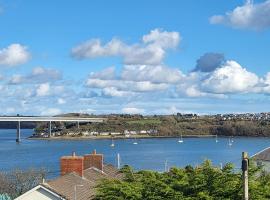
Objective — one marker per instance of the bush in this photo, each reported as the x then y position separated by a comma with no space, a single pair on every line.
205,182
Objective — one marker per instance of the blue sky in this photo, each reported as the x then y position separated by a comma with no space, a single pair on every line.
148,57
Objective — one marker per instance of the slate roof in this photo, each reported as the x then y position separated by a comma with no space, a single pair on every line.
263,155
64,185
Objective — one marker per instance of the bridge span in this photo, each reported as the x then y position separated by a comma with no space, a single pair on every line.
20,119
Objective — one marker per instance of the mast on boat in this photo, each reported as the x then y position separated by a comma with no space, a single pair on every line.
180,140
135,141
112,144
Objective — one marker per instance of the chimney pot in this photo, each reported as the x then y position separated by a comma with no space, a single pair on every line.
73,154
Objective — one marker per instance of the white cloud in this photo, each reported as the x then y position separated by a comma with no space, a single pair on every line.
43,90
38,75
114,92
61,101
265,86
249,16
163,39
150,52
50,112
132,110
14,54
106,74
141,86
230,78
16,79
155,74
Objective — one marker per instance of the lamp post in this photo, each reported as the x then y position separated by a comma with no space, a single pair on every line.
245,174
75,191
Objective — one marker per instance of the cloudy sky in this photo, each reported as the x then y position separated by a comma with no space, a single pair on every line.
148,57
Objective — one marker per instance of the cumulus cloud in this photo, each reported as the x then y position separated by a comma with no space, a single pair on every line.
141,86
150,52
43,90
38,75
114,92
155,74
105,74
132,110
249,16
230,78
14,54
209,62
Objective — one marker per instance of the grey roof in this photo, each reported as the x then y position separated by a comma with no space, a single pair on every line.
64,185
263,155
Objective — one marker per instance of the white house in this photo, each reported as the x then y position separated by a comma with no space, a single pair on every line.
40,193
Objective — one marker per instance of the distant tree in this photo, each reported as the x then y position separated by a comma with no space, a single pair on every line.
17,182
4,197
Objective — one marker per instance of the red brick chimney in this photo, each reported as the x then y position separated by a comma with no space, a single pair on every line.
72,164
93,160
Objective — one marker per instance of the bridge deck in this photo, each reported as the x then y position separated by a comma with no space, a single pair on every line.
52,119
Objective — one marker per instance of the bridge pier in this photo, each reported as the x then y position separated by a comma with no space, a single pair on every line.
50,128
78,124
18,138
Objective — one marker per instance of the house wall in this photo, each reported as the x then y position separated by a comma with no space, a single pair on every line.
39,194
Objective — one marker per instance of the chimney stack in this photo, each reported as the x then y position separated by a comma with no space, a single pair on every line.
72,164
93,160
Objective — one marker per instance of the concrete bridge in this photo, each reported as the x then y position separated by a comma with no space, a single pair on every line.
20,119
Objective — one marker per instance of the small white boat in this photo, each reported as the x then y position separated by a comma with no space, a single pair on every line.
230,142
135,142
180,139
112,144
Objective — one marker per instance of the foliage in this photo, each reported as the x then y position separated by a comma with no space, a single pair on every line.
4,197
17,182
204,182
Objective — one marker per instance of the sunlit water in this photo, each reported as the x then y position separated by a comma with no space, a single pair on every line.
147,154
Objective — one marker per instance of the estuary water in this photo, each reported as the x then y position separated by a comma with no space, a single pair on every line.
147,154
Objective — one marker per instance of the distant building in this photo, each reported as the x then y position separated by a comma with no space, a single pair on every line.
104,133
262,158
79,177
116,133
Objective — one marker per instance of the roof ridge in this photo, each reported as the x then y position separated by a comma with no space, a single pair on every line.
259,152
96,169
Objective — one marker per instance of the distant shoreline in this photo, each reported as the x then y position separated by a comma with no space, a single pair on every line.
117,137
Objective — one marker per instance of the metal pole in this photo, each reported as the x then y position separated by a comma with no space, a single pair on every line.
118,161
18,139
78,124
245,174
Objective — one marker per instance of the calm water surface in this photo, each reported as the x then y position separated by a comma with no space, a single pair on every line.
147,154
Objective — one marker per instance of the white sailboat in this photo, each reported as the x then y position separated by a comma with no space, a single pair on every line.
216,138
180,140
135,142
230,142
112,144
